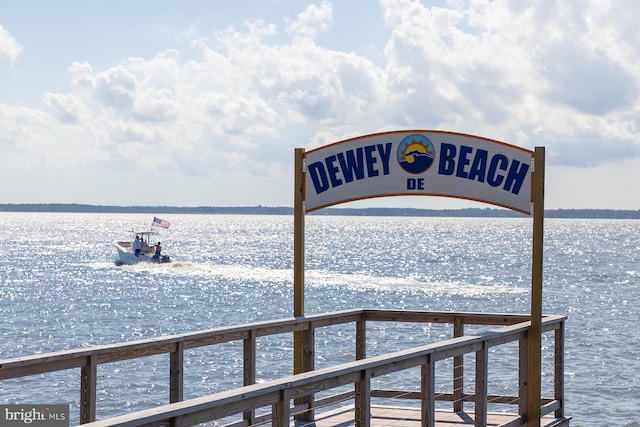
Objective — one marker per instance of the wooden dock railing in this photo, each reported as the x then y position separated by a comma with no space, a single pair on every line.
300,389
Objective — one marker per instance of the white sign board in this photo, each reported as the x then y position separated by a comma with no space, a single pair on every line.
429,163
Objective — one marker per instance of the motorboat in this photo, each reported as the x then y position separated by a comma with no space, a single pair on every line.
147,244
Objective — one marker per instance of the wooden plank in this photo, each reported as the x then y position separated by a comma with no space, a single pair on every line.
204,412
382,416
444,317
442,397
41,364
348,317
512,332
549,407
387,416
336,398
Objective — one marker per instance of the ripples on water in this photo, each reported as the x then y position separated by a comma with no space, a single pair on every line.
60,289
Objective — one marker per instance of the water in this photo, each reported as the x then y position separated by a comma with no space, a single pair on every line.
59,289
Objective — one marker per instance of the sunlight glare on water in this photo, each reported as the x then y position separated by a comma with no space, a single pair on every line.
60,290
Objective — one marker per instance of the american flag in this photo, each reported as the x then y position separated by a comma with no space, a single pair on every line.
157,222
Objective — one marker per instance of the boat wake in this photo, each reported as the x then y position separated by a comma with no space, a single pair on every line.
430,285
320,278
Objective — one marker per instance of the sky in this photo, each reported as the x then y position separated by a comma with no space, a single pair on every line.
202,103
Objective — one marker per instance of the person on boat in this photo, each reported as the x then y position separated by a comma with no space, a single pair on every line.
137,246
158,250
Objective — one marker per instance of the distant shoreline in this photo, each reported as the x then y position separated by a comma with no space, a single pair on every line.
266,210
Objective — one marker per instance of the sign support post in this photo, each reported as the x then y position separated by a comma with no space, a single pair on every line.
535,340
298,257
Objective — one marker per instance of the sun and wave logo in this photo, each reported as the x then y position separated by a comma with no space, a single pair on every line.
415,154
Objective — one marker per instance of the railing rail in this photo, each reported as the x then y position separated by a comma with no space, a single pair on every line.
280,392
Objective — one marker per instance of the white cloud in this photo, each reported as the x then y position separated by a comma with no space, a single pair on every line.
560,74
82,81
550,70
66,107
116,88
10,49
313,20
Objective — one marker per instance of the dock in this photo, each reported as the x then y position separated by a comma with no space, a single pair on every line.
348,393
385,416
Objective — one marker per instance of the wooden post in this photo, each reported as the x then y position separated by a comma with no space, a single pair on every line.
361,405
535,339
559,370
298,257
458,369
176,373
300,338
249,368
482,369
361,338
523,371
309,364
428,392
363,400
281,411
88,389
286,409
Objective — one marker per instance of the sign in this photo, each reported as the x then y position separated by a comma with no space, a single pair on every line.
427,163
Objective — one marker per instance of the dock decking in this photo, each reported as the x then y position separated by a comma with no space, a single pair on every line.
387,416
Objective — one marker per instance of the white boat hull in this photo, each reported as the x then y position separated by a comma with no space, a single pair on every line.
126,257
